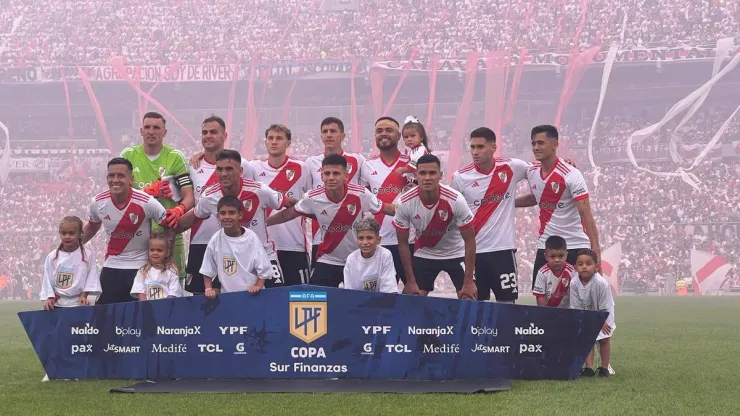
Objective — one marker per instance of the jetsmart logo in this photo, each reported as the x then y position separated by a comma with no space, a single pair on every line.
87,330
431,331
532,330
184,331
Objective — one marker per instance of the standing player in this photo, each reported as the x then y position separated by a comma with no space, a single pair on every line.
337,207
157,169
332,136
127,216
489,187
291,178
562,194
445,238
379,174
254,196
202,169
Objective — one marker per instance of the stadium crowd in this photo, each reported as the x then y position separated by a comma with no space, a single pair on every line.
48,32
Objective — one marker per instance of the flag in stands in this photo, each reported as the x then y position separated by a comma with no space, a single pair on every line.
610,259
709,271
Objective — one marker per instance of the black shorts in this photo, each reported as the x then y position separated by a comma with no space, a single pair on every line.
327,275
496,271
400,272
314,250
116,285
295,267
540,261
278,278
426,271
194,280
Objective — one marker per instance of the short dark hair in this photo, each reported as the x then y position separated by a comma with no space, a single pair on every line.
121,161
588,252
230,201
153,114
279,128
485,133
555,242
215,118
333,120
389,119
429,158
334,159
550,131
229,154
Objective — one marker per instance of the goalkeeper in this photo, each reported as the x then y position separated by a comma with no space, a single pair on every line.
161,172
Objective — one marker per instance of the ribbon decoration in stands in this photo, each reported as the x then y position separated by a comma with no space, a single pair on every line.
640,135
96,106
250,130
401,80
377,75
511,102
5,160
230,110
355,122
432,92
285,118
120,68
497,79
463,113
610,58
70,129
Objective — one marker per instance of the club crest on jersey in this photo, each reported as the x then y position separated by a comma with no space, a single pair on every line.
442,214
290,174
155,292
229,265
349,168
502,176
247,204
162,170
133,217
555,186
352,208
565,282
64,279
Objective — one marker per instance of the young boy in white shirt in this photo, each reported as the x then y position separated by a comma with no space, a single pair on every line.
234,254
552,285
371,266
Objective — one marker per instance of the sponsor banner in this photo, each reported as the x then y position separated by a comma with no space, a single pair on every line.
312,332
29,164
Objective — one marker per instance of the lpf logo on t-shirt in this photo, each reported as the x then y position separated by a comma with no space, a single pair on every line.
154,292
64,278
370,284
229,265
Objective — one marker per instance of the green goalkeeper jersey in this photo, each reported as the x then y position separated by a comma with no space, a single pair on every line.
169,162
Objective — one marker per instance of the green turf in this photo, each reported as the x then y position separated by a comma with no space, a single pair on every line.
673,356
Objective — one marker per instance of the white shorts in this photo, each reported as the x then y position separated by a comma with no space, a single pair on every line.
602,335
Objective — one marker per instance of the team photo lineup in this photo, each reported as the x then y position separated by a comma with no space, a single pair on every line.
336,219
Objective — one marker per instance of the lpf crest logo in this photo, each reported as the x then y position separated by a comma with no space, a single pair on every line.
154,292
229,265
308,315
370,285
64,279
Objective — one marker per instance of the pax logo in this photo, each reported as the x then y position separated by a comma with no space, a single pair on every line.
530,349
81,349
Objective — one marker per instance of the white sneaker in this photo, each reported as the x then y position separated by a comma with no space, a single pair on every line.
611,370
46,378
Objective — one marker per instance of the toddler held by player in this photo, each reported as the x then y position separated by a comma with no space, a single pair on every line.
415,139
70,271
371,266
591,291
158,279
552,285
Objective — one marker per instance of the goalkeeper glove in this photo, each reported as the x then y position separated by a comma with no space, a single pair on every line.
159,189
173,216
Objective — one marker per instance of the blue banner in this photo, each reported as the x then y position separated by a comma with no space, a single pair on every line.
312,332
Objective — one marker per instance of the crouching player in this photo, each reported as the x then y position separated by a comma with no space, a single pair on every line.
552,285
592,292
234,255
371,266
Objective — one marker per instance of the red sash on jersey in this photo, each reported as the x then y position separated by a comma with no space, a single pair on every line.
340,225
251,203
352,168
126,229
285,179
393,180
554,190
437,227
213,179
497,188
561,290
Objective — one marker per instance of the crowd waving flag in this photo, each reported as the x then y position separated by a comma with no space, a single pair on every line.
610,259
708,271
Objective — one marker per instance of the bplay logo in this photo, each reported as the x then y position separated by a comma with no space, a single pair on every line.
532,330
122,332
484,331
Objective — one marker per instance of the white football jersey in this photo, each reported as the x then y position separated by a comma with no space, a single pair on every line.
557,195
337,220
256,198
237,262
490,196
596,295
68,275
291,179
555,287
387,186
128,227
354,165
437,226
157,284
376,274
203,177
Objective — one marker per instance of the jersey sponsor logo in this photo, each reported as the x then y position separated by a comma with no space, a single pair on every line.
229,265
126,229
492,199
390,189
431,235
308,315
155,292
342,222
64,279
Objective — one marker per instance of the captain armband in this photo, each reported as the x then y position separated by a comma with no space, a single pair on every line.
183,181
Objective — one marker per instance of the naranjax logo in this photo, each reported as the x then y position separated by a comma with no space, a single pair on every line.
184,331
532,330
431,331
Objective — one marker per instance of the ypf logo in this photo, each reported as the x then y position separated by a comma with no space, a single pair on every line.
308,315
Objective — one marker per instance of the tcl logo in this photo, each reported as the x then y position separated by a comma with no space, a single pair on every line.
210,348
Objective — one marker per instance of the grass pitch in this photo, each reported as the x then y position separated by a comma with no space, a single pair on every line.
672,355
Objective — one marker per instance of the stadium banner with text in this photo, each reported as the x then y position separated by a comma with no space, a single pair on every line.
29,164
312,332
224,72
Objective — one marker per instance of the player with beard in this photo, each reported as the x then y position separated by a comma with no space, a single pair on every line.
380,175
291,178
332,136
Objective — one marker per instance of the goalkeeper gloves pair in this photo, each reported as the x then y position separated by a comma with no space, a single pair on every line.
173,215
159,189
